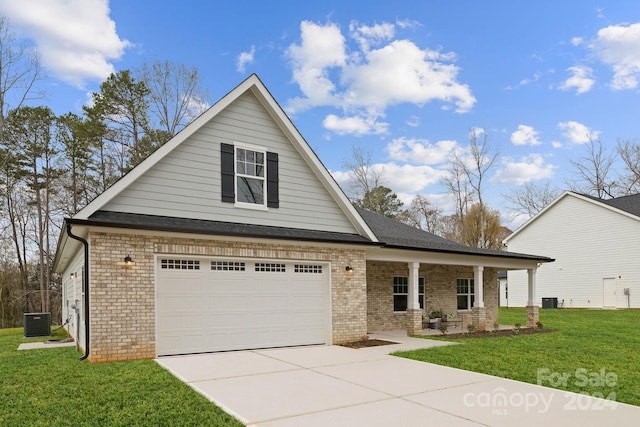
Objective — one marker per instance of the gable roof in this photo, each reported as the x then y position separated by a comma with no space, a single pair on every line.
626,205
395,234
257,88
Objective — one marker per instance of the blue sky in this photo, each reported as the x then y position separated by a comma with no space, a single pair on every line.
407,80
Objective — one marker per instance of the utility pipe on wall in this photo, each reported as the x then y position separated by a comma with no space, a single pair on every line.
85,280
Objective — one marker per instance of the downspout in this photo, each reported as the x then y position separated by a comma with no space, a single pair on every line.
86,289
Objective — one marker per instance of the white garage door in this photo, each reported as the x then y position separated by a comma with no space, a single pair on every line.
208,305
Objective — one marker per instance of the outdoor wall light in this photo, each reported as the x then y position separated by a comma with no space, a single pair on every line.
348,269
128,261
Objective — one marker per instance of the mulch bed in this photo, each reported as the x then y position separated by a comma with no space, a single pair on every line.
367,343
500,333
460,335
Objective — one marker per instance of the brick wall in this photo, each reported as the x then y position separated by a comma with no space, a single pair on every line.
440,293
122,299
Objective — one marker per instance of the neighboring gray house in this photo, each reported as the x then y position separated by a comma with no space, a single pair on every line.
233,235
596,245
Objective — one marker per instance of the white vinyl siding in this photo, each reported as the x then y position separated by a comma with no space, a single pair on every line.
590,243
186,183
72,292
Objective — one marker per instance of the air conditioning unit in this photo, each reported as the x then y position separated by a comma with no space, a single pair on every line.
37,324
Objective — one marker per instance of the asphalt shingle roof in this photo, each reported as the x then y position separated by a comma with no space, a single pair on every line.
390,233
199,226
629,204
395,234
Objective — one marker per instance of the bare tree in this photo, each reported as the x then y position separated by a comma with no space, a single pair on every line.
629,152
20,69
529,199
176,94
364,176
474,168
421,214
593,171
457,185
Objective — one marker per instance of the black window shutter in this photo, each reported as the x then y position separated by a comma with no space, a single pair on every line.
227,159
273,193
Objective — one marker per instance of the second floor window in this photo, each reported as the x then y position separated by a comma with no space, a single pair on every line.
250,176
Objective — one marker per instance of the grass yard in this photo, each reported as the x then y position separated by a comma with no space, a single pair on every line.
592,351
51,387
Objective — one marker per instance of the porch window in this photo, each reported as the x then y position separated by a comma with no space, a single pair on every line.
401,292
466,293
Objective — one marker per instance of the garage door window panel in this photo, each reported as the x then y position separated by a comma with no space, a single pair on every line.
180,264
227,266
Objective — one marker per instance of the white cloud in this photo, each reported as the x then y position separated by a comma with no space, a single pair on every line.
410,178
581,80
535,78
77,39
556,144
617,46
320,49
402,179
408,23
355,125
578,133
529,168
377,73
371,36
577,41
525,135
401,72
244,59
421,151
413,121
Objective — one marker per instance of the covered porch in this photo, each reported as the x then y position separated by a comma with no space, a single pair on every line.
404,287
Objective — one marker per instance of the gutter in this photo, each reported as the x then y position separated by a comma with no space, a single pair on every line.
86,289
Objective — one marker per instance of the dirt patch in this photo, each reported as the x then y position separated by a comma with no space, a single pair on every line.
367,343
500,333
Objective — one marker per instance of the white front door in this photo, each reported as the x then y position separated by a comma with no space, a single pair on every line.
609,292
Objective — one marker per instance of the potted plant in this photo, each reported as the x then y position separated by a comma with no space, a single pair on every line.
435,314
435,319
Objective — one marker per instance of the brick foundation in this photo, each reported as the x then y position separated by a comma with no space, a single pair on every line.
533,316
479,318
414,321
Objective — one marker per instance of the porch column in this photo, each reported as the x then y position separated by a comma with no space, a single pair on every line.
478,312
478,279
531,286
533,316
412,298
414,313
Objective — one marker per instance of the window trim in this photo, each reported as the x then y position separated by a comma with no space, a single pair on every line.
394,293
236,175
470,295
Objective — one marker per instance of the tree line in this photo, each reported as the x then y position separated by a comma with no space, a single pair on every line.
597,172
53,165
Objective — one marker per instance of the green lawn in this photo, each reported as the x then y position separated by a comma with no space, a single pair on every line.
51,387
592,351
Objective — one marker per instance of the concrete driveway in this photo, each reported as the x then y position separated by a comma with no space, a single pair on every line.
338,386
